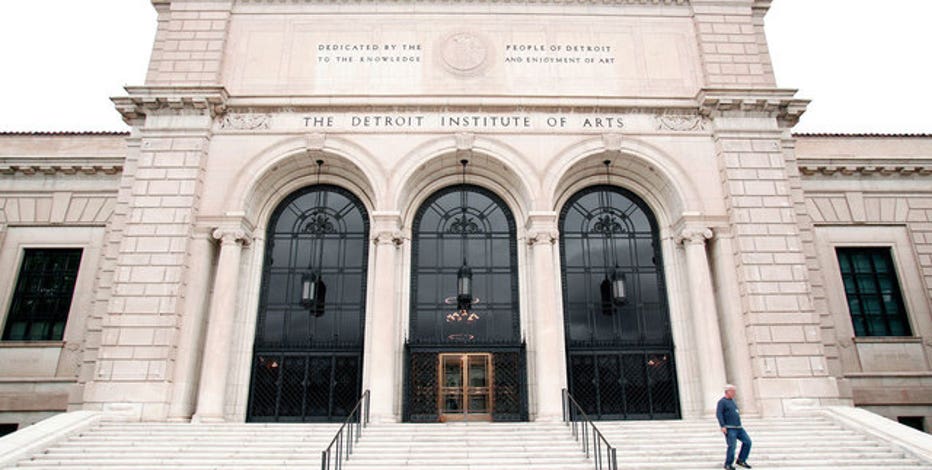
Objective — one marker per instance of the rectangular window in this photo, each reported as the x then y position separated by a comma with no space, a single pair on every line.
8,428
873,292
915,422
42,296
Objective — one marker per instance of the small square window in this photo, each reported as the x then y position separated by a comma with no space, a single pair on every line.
8,428
873,292
42,296
915,422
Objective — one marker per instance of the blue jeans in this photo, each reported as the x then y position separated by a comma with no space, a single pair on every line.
731,437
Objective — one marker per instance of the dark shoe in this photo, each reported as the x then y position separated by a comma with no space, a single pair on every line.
743,464
729,467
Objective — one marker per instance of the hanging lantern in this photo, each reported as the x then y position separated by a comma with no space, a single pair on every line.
619,293
464,287
313,293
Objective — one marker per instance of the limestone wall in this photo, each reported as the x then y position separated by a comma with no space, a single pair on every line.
873,191
57,190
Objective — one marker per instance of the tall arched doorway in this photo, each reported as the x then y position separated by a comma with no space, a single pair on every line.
619,347
307,357
465,356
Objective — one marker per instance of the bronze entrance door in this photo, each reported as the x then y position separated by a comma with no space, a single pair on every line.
466,390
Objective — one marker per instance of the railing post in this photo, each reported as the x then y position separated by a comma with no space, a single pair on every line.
324,461
614,463
563,396
597,449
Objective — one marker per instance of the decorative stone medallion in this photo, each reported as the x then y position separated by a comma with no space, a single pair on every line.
464,53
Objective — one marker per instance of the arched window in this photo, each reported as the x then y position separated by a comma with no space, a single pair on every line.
307,359
453,346
619,348
484,236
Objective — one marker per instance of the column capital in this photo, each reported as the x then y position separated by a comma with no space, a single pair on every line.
230,235
694,235
385,237
535,237
542,227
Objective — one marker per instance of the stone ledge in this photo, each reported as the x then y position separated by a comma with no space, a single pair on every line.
545,2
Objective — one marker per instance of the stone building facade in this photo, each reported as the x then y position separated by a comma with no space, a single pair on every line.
659,122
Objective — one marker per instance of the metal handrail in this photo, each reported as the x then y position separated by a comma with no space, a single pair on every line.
601,450
357,418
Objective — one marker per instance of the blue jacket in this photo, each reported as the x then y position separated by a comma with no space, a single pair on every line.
727,414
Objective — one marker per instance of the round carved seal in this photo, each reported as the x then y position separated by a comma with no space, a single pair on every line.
464,52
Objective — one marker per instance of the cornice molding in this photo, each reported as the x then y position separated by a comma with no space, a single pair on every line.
775,102
878,167
142,101
51,166
438,103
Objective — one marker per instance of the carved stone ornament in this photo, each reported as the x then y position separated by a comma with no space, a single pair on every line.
535,237
393,237
464,53
680,122
247,122
612,142
696,235
229,236
465,140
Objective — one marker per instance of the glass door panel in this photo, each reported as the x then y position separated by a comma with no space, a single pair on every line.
465,390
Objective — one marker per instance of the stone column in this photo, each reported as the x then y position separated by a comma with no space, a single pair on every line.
381,354
184,378
216,359
548,343
704,317
737,353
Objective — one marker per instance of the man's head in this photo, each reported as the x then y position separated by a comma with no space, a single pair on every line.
730,391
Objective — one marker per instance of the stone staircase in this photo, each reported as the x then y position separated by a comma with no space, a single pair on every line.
807,443
164,446
469,446
779,444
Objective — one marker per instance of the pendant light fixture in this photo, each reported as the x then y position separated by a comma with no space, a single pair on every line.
612,289
313,288
464,295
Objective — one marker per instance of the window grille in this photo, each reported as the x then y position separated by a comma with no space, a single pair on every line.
873,292
42,296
